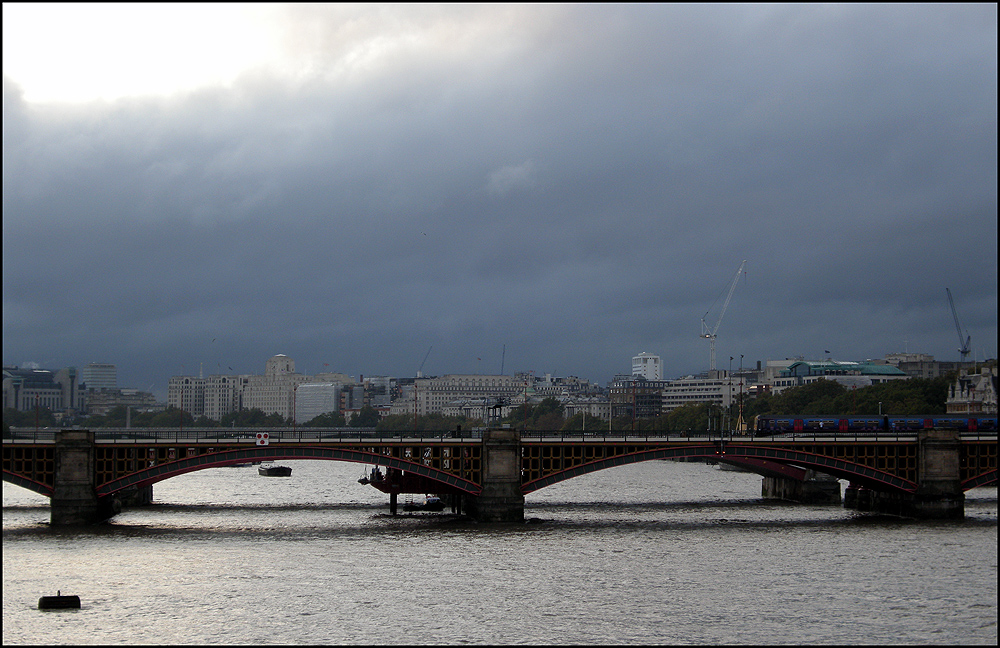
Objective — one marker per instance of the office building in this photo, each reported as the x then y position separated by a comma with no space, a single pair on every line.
99,375
647,366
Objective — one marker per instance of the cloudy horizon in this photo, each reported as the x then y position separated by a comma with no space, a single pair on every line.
550,188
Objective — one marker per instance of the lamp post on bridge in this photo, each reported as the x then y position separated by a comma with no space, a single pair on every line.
740,425
729,408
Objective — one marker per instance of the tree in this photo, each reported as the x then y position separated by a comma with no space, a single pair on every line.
330,419
367,417
254,418
814,398
692,417
897,397
42,417
546,415
172,417
519,415
429,422
586,422
549,405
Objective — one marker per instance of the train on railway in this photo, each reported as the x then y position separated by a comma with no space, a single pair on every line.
765,425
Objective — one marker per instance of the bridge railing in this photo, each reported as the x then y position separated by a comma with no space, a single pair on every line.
243,435
344,434
715,436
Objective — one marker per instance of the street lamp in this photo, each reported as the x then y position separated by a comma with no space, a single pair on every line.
729,408
880,408
739,422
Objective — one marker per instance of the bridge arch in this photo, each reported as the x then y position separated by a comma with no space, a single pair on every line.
29,484
857,473
164,471
988,478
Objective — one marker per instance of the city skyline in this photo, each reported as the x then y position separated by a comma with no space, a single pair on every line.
549,188
748,366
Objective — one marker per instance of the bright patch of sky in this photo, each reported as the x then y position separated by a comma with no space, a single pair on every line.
82,52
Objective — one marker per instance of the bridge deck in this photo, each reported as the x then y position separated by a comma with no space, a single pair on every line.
128,457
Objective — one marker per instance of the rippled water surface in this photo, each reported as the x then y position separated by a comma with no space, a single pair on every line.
656,552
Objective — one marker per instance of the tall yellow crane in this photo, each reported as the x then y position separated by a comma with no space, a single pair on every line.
710,333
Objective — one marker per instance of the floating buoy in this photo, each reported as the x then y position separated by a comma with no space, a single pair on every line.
59,602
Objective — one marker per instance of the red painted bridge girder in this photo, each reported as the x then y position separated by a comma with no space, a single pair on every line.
164,471
754,457
762,458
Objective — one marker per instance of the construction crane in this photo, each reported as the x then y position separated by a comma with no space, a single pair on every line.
710,333
963,346
421,368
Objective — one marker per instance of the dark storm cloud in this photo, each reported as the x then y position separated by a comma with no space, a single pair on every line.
579,183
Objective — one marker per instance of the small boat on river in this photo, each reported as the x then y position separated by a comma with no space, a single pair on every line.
430,503
270,470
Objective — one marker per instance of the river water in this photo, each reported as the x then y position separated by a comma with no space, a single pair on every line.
656,552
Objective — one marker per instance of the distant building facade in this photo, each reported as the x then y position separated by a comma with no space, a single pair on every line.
647,366
636,396
973,393
845,372
102,402
433,394
716,387
187,393
99,375
922,365
274,392
59,391
463,394
316,399
588,405
223,395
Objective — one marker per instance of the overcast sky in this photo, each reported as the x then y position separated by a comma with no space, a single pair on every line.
550,188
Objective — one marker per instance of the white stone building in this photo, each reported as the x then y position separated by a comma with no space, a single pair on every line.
216,396
433,394
718,389
647,366
316,399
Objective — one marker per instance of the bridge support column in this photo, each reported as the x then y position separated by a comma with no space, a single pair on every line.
816,488
856,497
139,496
939,493
939,485
501,499
74,498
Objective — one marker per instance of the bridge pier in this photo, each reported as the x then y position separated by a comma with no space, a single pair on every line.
138,496
501,499
939,485
939,494
74,498
856,497
816,488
